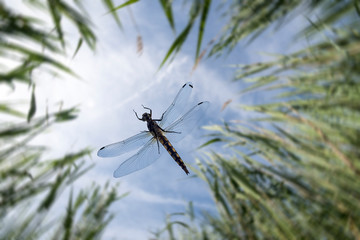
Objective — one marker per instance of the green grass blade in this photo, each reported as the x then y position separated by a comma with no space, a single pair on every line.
32,109
202,24
166,6
125,4
175,47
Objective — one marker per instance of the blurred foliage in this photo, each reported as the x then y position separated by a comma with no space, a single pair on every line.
112,9
293,172
30,182
245,20
187,222
28,43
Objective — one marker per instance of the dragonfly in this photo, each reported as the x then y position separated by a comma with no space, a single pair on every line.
173,125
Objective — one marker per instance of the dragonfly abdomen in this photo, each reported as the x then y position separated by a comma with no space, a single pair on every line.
171,150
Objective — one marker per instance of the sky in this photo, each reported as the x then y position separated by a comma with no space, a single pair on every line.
115,79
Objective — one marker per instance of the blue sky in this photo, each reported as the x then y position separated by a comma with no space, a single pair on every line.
115,80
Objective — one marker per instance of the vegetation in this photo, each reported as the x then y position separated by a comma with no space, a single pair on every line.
29,182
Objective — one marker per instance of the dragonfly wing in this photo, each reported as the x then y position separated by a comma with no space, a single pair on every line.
187,122
177,107
147,155
132,143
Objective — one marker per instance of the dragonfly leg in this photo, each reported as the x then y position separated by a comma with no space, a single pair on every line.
169,131
137,115
157,141
158,120
172,132
147,109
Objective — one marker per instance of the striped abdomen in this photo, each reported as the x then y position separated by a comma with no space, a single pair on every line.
171,150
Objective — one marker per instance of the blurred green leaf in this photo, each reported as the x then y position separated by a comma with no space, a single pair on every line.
180,39
127,3
204,14
69,219
175,47
66,115
110,6
78,47
166,6
214,140
32,109
56,17
34,58
4,108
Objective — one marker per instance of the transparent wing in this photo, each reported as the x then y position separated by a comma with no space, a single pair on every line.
177,107
187,122
116,149
147,155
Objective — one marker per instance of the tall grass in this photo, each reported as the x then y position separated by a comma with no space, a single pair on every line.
30,183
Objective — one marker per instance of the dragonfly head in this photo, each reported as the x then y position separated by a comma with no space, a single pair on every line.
146,116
